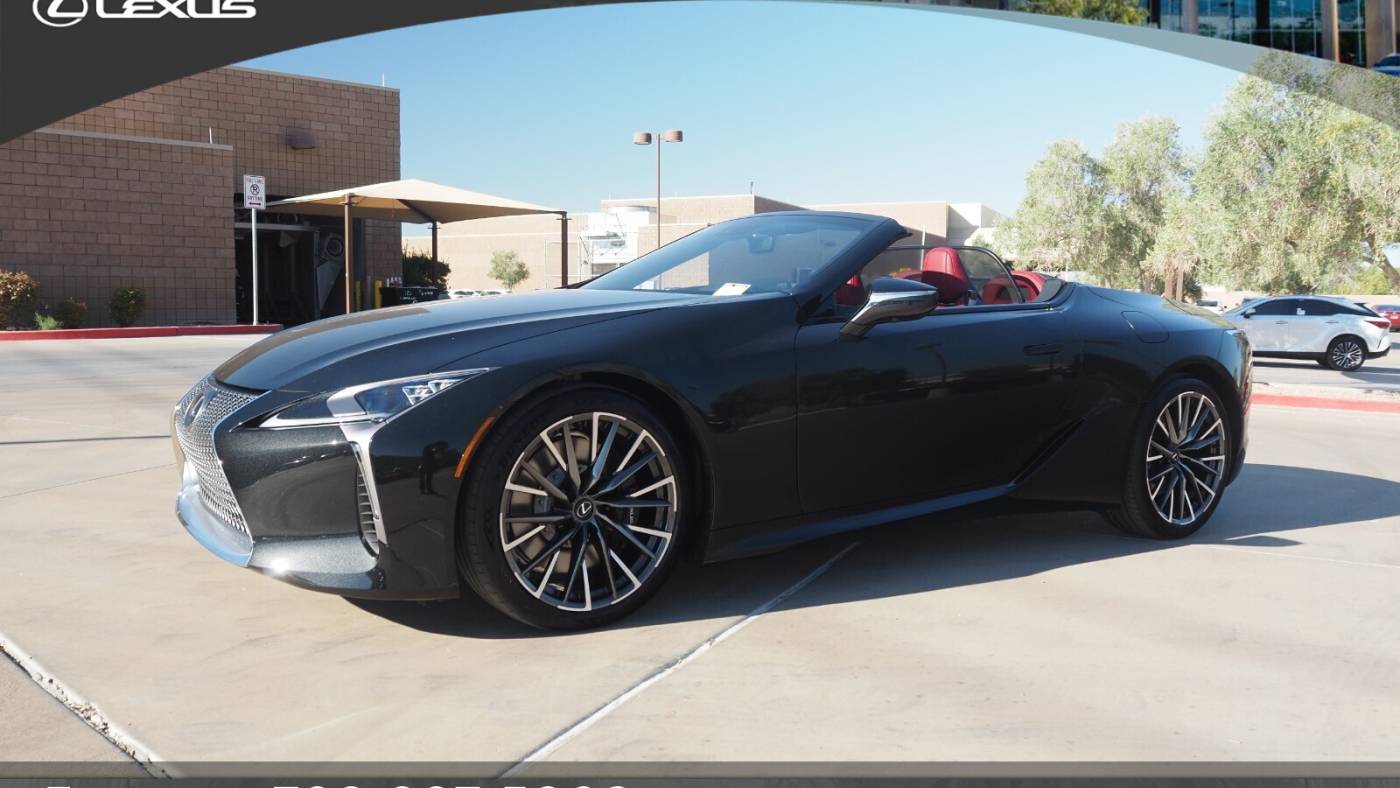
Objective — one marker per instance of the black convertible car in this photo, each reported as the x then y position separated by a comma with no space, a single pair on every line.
762,381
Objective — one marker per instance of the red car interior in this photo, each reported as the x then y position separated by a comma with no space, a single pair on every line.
852,293
943,269
998,291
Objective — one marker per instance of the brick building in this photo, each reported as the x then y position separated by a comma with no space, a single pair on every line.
146,191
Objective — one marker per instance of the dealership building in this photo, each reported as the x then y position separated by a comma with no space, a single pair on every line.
621,230
146,192
1359,32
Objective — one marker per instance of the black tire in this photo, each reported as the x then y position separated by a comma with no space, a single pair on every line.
1345,354
1138,515
481,530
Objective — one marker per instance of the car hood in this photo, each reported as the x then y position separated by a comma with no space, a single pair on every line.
415,339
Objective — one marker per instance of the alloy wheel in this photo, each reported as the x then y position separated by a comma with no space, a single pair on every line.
588,511
1186,458
1346,354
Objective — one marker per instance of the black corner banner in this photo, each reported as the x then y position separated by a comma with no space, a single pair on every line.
59,57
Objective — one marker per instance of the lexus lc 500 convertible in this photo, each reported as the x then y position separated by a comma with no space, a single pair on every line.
762,381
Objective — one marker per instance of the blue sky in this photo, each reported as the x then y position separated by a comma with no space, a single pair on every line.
814,102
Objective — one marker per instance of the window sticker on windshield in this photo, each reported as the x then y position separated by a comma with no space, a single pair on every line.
732,289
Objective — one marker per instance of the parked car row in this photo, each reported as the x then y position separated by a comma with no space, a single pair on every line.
472,293
1334,332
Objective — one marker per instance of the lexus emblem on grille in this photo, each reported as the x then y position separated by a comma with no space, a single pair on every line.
196,407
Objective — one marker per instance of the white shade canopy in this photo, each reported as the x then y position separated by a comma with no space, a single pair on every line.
409,201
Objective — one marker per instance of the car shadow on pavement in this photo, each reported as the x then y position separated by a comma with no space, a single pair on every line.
952,550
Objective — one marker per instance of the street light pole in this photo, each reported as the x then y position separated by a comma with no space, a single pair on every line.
647,138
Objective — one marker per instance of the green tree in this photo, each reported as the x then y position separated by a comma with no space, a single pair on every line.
508,269
1175,255
1143,170
1062,224
1296,193
1100,216
1126,12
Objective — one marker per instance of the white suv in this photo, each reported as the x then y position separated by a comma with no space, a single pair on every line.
1333,331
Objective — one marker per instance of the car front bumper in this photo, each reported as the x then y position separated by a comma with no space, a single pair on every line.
295,504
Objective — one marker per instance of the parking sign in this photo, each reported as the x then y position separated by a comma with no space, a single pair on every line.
254,192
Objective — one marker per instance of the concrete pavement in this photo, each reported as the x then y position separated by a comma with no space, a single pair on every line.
37,728
1269,636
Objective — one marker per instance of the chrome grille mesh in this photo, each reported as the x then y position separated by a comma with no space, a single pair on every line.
196,437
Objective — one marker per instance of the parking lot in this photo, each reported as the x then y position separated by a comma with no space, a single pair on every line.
1271,635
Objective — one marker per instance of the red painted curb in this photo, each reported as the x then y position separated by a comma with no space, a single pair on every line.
1285,401
137,332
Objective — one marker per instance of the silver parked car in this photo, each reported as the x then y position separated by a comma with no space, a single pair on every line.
1332,331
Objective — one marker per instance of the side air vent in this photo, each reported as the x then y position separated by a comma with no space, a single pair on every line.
364,506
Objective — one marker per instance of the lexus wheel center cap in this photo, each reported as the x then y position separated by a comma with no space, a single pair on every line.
583,509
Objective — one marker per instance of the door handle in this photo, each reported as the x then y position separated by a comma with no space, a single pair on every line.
1280,322
1048,349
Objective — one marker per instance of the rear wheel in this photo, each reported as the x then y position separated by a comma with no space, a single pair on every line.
1180,461
572,514
1345,354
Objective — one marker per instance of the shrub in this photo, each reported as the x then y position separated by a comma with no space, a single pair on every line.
127,305
72,313
18,294
508,269
47,322
421,270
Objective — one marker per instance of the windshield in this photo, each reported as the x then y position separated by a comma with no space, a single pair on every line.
757,254
1389,60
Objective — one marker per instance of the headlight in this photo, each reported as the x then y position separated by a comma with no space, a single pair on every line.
372,402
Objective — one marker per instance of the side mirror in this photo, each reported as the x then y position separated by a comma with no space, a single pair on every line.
892,299
1248,313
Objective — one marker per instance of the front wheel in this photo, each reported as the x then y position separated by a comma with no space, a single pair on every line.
1345,354
573,511
1180,461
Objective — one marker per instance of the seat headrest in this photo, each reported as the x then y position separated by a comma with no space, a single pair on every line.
945,260
951,289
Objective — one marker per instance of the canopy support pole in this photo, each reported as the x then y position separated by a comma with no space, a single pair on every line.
349,246
432,222
564,248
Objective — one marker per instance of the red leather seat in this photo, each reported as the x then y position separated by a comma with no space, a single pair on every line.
998,291
1030,283
951,290
943,269
852,293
